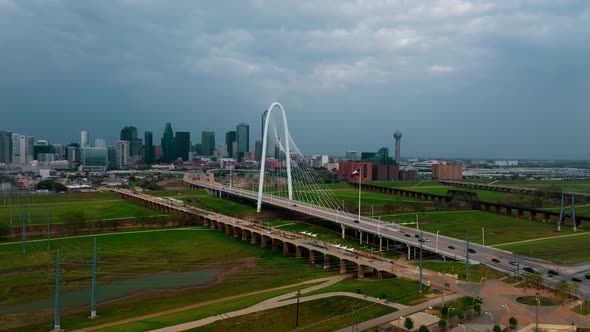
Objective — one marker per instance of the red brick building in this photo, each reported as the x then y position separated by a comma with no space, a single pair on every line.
345,168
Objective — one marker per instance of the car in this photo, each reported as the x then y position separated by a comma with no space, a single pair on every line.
426,240
356,221
295,205
576,279
552,273
587,276
528,269
495,260
452,247
515,263
417,235
407,235
471,250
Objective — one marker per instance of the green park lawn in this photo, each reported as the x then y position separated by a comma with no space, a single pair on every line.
498,229
396,290
131,255
543,301
567,249
327,314
59,208
476,272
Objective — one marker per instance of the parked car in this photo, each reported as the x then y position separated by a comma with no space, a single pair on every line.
495,260
407,235
426,240
356,221
452,247
515,263
576,279
528,269
587,276
553,273
471,250
417,235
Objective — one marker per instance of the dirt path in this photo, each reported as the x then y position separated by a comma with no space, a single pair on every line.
201,304
537,239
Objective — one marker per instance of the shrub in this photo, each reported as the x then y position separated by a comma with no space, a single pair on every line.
513,321
409,323
442,323
423,328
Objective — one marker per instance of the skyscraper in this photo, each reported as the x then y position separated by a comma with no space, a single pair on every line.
148,139
5,147
129,134
100,143
263,121
168,152
230,138
122,154
182,143
83,139
258,149
208,142
29,149
17,158
243,140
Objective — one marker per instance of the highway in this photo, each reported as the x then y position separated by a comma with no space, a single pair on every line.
445,246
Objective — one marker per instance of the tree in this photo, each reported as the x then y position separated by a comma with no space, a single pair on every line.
563,288
477,308
497,328
461,315
442,323
51,186
408,323
423,328
141,217
513,321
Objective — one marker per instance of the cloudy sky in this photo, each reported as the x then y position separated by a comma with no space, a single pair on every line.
497,79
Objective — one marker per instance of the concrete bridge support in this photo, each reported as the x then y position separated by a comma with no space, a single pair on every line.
263,243
343,231
361,272
311,258
508,211
520,213
326,262
253,238
298,252
285,249
532,215
342,266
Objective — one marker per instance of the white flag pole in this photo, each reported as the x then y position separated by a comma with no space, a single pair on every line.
360,176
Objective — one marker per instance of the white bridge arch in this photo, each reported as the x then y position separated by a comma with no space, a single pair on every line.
263,156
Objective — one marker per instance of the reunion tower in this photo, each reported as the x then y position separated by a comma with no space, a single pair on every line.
398,136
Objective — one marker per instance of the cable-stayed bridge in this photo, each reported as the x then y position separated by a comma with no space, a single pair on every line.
287,180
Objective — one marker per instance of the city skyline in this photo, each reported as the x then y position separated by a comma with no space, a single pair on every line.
459,78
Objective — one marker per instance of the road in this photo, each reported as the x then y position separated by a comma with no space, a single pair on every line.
495,258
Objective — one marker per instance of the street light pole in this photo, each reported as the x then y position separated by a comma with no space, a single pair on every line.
537,314
463,326
491,316
436,246
448,312
505,306
483,237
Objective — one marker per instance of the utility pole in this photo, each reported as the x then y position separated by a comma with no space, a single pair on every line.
443,289
24,231
297,314
467,256
537,314
56,316
48,228
353,318
93,294
420,281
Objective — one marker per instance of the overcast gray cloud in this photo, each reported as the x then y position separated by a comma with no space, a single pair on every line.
459,78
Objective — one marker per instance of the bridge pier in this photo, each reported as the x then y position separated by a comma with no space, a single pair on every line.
285,249
508,211
343,231
361,237
326,262
361,273
311,258
532,215
263,243
342,266
520,213
253,238
546,217
379,274
227,230
298,252
244,235
274,244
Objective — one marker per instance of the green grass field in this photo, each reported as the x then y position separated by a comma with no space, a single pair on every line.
130,255
476,272
498,229
396,290
565,250
96,206
543,301
318,315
